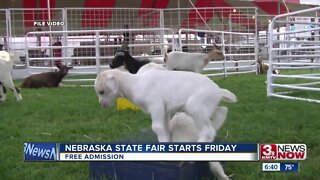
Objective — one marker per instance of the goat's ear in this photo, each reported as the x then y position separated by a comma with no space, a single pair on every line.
112,83
218,51
59,65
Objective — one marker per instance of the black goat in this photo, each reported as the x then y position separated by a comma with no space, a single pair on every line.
122,57
47,79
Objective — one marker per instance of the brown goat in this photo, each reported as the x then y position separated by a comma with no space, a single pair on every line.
47,79
264,67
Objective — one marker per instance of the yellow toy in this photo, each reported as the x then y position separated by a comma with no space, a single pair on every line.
123,104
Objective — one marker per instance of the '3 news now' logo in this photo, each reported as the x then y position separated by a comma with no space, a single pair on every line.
283,151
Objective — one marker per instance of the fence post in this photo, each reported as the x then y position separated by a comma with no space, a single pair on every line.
8,29
26,51
269,73
161,32
65,36
224,52
97,52
256,39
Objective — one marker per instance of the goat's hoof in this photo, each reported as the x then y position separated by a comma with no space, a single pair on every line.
19,98
229,176
2,98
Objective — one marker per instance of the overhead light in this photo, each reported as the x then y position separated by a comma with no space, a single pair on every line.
269,20
234,10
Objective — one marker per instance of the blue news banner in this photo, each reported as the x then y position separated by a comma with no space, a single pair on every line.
140,151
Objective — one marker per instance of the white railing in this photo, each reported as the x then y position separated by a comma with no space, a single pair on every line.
296,52
47,62
239,47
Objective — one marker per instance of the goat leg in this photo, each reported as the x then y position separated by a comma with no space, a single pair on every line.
3,91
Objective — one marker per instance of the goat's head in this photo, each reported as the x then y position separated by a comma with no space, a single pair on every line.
63,70
119,59
120,56
216,53
106,87
260,62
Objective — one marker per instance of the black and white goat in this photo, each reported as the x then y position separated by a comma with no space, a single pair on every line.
47,79
123,58
6,64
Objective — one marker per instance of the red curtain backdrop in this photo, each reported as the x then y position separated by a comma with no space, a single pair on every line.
96,17
31,16
149,17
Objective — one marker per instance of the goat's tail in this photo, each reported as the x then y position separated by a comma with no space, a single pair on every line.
228,96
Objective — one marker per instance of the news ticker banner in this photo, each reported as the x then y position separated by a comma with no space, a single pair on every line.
140,152
162,151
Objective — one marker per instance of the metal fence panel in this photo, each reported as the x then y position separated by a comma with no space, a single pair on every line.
295,51
88,51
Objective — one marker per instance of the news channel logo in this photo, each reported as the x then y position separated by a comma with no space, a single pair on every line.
283,151
40,151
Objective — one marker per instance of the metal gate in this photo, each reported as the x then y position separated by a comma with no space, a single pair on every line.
196,29
294,50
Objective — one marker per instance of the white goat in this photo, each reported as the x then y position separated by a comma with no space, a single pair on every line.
184,61
162,94
6,64
183,128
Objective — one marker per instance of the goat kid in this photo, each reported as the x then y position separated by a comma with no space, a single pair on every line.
183,129
264,67
195,62
6,65
162,94
123,58
47,79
